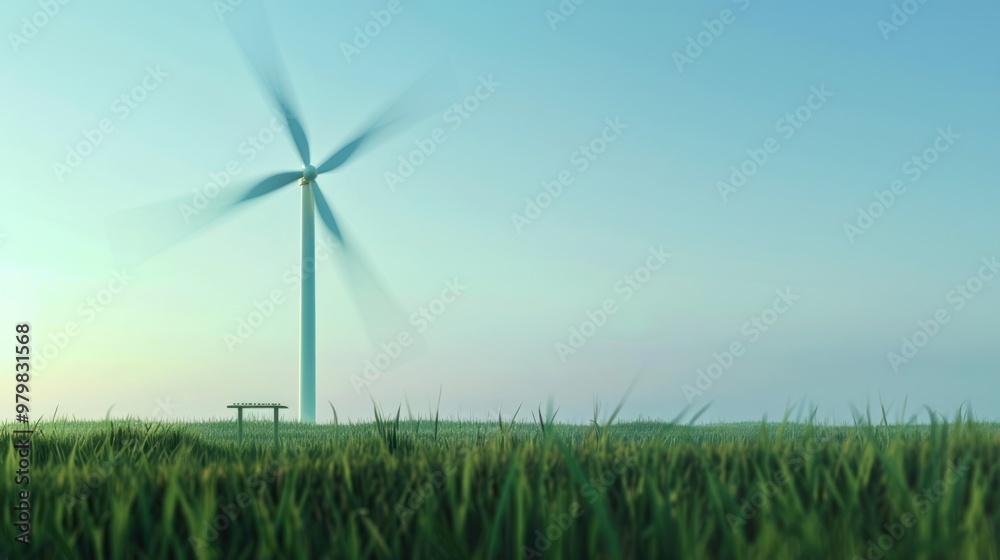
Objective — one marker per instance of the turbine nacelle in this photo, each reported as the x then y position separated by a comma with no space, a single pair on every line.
309,174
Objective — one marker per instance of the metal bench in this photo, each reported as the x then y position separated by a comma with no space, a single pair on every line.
239,415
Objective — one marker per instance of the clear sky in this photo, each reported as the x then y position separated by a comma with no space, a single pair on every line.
646,111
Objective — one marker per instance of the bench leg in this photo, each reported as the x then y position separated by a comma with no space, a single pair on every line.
275,428
240,422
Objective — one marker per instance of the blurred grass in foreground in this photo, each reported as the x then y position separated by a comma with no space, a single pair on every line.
457,489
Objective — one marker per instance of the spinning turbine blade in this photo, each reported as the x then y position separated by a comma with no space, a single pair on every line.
383,318
432,92
250,28
270,184
326,214
137,234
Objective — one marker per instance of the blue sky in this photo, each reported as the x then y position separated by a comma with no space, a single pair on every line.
926,89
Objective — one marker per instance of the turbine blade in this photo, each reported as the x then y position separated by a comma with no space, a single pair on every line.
326,214
136,235
250,28
384,320
268,185
430,93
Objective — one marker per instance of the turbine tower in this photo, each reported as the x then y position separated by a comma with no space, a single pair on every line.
307,332
135,235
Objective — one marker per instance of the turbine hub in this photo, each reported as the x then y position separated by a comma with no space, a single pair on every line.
308,174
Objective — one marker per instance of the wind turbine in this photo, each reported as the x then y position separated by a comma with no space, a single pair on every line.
170,221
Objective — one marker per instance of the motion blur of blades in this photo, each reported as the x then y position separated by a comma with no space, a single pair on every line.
136,235
251,29
383,318
431,93
269,185
387,326
326,213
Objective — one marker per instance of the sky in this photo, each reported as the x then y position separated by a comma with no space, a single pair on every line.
749,205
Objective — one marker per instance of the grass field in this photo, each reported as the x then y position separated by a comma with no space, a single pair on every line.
524,489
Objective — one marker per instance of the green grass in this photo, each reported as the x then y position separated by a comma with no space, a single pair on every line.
454,489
